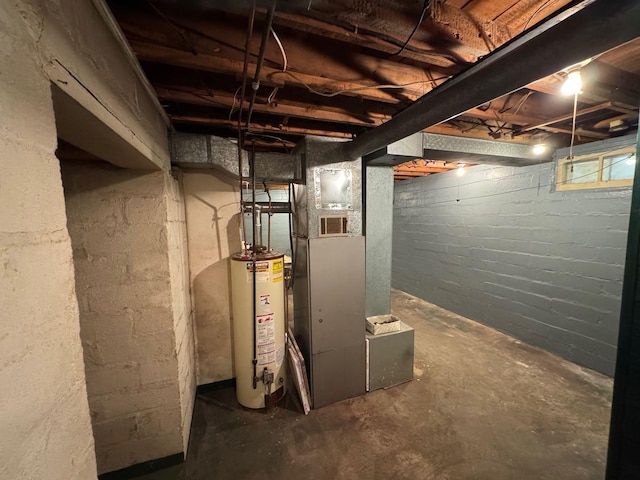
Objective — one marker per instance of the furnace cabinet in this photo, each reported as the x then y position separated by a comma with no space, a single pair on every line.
329,304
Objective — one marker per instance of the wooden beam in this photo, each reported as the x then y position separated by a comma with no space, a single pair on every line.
522,15
551,121
225,100
257,127
450,129
579,132
408,177
607,121
472,34
605,74
493,113
427,163
419,170
363,38
220,37
601,83
627,111
270,76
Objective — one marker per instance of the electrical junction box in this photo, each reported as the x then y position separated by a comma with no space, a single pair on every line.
389,358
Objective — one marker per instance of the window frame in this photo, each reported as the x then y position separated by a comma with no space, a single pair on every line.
561,181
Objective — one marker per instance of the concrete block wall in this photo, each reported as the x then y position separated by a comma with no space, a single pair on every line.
45,428
128,250
499,246
213,234
181,300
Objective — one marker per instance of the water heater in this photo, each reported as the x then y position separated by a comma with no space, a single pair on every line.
258,327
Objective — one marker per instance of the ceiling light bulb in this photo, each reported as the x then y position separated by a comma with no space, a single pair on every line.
460,171
573,83
539,149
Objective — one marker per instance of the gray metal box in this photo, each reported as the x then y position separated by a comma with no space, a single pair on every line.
329,316
390,358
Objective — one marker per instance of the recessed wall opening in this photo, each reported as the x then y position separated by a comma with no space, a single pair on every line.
127,228
115,218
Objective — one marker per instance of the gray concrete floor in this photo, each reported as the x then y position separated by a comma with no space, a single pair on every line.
481,406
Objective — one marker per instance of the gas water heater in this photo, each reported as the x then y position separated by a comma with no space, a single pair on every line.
258,295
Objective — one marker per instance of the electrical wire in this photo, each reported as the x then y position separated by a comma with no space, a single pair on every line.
286,147
284,64
573,127
518,105
358,89
540,8
175,25
404,45
233,104
523,101
413,32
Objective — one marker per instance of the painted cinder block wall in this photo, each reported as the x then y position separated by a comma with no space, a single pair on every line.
213,234
127,238
45,428
45,425
184,331
501,246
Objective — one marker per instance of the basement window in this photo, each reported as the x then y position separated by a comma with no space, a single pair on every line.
600,170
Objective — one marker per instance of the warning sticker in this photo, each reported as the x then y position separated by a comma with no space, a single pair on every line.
262,272
277,270
264,304
266,344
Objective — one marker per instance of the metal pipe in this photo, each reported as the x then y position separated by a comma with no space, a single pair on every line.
269,214
247,45
580,31
292,198
255,84
252,166
258,214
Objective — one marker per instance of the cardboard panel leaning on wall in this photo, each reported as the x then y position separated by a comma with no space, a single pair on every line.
45,427
213,234
498,246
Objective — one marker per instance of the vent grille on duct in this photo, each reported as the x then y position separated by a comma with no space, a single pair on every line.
333,226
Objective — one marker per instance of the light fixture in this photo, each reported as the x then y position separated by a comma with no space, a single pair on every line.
460,171
631,160
539,149
572,84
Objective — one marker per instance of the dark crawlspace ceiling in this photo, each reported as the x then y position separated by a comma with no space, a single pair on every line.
339,68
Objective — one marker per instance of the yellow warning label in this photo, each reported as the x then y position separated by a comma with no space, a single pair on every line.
262,272
277,270
261,267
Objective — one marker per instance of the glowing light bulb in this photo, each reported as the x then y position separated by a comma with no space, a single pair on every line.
573,84
539,149
460,171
